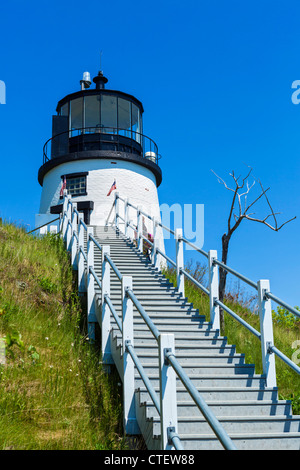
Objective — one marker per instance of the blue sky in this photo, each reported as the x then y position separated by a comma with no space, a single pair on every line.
215,80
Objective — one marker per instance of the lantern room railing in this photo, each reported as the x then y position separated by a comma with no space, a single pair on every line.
101,138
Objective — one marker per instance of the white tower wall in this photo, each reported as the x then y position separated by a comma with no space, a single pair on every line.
134,182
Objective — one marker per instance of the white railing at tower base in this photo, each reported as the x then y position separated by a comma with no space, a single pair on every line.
72,228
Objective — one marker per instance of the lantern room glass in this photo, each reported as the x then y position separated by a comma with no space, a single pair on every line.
104,113
136,125
124,117
109,114
92,113
76,108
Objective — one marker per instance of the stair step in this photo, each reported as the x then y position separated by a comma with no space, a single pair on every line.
210,380
185,348
192,327
236,424
206,369
163,304
246,408
212,394
189,360
183,354
146,299
254,441
164,324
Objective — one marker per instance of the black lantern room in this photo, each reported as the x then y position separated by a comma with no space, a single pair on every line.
99,123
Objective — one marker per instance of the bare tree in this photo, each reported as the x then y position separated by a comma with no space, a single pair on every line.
239,211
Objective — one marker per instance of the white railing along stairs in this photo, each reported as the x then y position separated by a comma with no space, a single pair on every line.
184,386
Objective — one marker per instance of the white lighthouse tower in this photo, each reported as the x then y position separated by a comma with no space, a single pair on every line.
98,140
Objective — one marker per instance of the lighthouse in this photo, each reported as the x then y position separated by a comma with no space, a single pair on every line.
97,148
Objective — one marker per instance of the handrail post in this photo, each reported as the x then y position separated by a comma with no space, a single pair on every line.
91,311
64,215
130,231
154,257
74,240
69,228
266,331
105,320
179,261
117,204
140,229
213,272
130,421
167,377
126,216
80,259
61,223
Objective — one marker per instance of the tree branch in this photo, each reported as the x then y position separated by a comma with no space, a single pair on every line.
244,208
263,221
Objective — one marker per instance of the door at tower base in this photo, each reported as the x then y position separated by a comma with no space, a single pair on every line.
133,181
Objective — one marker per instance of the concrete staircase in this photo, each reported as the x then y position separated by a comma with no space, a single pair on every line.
251,413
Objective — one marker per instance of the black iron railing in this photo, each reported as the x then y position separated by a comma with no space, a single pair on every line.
101,138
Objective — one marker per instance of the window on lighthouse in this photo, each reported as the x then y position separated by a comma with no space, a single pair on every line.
76,186
92,113
124,117
76,113
109,113
136,125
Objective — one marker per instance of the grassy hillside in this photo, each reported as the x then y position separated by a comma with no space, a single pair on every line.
286,332
53,391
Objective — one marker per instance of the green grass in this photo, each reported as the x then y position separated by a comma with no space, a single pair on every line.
54,393
286,332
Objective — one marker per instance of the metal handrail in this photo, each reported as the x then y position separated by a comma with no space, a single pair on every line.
166,228
114,267
131,205
200,402
175,439
83,253
235,273
154,330
284,358
76,236
144,213
132,226
191,278
91,237
48,223
196,248
166,257
147,240
238,318
81,222
113,311
145,142
92,271
283,304
144,376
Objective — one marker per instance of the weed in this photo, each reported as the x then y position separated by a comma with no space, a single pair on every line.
47,285
285,318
